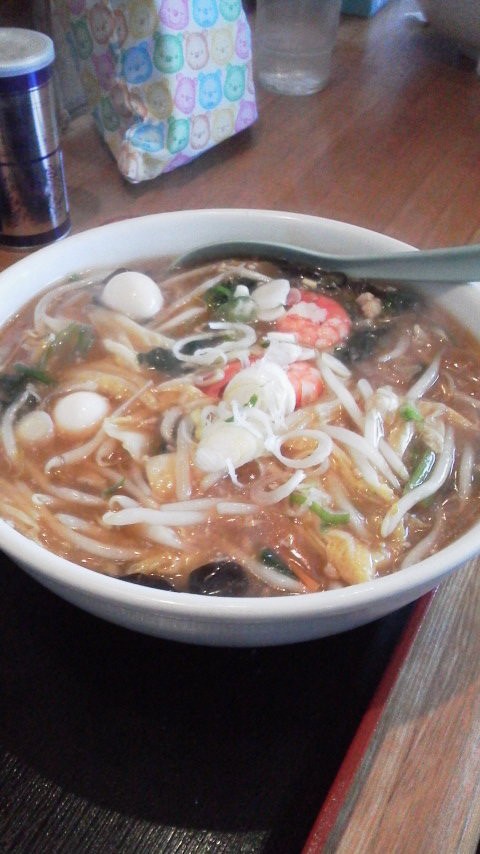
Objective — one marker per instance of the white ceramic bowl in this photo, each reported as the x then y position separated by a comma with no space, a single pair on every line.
183,616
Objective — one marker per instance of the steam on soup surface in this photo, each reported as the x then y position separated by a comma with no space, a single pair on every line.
240,429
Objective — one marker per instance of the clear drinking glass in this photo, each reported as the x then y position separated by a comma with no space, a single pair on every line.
293,44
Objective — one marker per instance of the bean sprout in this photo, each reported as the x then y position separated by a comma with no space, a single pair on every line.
426,380
439,475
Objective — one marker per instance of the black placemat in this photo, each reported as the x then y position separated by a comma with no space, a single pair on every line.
116,742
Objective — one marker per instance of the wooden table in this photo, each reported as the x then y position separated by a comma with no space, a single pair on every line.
393,145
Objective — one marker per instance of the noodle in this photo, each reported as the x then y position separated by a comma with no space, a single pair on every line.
424,547
255,433
426,380
8,421
344,395
359,444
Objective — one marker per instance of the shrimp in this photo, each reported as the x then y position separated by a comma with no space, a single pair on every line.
316,320
307,382
243,384
215,389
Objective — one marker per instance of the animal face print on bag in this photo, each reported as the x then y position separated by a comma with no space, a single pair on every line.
82,39
178,133
243,47
199,132
173,79
221,45
158,98
102,22
196,50
222,123
205,12
234,82
230,9
168,53
136,64
185,94
148,137
247,113
210,91
121,30
142,18
174,14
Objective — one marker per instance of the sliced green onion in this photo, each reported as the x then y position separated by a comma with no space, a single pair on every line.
421,470
409,412
162,360
270,558
298,498
326,516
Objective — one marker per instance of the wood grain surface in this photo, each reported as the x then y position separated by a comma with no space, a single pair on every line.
392,144
416,785
432,715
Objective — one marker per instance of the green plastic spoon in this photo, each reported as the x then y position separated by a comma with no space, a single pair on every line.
454,265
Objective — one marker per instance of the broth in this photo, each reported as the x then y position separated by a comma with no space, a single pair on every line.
239,429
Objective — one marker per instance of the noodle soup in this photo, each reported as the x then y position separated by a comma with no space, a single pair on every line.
240,429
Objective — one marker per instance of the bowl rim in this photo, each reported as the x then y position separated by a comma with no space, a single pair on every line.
47,566
421,576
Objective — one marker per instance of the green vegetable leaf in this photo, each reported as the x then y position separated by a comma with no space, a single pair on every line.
71,343
13,384
361,344
29,373
219,294
162,360
270,558
223,303
396,300
199,343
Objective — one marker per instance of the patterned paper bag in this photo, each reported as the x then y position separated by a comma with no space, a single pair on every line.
165,79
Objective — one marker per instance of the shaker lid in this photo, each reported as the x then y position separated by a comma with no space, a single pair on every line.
24,51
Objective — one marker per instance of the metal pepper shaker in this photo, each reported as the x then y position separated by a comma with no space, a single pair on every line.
33,198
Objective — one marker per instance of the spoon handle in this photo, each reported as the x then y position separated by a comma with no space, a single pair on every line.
455,265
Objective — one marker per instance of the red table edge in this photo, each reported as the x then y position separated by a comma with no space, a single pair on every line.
337,793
